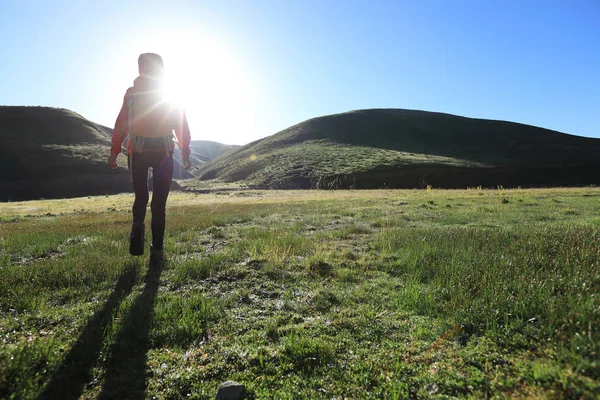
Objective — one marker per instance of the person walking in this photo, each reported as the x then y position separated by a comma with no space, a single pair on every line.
149,119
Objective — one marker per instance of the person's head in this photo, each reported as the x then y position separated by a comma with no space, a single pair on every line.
151,64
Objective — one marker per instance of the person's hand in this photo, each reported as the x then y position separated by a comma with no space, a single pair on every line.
186,163
112,160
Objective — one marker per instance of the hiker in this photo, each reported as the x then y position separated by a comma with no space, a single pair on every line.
149,120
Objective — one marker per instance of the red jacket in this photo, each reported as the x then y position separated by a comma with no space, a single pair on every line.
178,121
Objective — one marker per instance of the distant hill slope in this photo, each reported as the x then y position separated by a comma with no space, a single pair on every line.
53,153
206,150
203,151
406,149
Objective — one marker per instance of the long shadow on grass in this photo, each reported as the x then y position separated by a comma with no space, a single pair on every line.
126,369
69,380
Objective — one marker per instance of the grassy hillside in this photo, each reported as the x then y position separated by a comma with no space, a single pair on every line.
52,153
404,148
384,294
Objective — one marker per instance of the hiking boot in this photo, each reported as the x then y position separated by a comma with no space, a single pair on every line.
156,254
136,239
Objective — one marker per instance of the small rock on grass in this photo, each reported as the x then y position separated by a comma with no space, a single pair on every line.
231,390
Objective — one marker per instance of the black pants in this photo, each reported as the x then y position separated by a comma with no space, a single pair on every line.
162,174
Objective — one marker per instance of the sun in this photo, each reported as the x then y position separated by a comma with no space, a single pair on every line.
209,81
206,75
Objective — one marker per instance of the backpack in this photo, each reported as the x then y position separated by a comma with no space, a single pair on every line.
150,121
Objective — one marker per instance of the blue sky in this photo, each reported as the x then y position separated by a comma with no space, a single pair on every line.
249,68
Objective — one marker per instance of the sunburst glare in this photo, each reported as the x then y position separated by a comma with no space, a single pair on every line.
207,79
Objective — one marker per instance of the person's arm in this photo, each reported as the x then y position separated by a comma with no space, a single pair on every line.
119,134
182,132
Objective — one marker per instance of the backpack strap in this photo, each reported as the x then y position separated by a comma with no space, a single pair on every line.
130,104
136,144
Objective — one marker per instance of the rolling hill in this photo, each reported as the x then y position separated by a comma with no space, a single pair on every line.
398,148
55,153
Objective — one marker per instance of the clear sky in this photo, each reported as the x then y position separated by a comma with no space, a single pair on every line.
246,69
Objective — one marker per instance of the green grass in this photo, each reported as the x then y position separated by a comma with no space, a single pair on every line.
349,294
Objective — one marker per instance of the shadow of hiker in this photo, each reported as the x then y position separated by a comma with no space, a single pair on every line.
69,380
126,367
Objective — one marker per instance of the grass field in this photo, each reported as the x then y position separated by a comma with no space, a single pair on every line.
306,294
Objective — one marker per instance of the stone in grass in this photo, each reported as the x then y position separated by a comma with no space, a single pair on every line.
231,390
